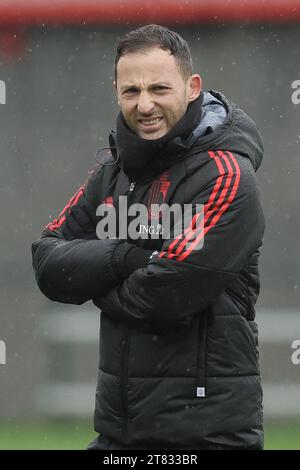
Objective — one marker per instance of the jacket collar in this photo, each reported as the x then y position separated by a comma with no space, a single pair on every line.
148,157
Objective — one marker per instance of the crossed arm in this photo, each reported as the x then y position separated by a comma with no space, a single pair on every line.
170,288
71,265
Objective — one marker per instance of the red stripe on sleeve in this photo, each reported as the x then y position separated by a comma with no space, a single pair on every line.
62,216
212,197
225,204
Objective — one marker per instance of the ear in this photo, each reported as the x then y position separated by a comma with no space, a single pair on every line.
194,87
115,87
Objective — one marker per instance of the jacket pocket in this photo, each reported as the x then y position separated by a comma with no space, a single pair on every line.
231,347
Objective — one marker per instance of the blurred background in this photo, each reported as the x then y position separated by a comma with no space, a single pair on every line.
57,106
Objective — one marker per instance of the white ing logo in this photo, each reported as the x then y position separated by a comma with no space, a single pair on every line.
2,92
296,354
165,222
2,352
296,94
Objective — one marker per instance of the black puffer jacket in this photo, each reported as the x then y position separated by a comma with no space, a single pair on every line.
179,362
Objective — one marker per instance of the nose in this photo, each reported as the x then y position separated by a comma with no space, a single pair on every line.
145,103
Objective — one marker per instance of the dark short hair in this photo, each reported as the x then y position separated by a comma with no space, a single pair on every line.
152,35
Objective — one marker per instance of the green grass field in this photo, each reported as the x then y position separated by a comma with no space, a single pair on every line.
76,435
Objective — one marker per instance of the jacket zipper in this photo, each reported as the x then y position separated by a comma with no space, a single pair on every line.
132,185
124,366
124,363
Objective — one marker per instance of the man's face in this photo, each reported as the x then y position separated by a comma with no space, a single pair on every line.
152,93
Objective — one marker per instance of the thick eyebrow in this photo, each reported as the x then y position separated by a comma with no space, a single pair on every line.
128,87
153,85
163,84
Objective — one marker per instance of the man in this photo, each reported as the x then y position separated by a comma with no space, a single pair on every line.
179,365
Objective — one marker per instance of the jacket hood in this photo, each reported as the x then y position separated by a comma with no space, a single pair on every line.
225,126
